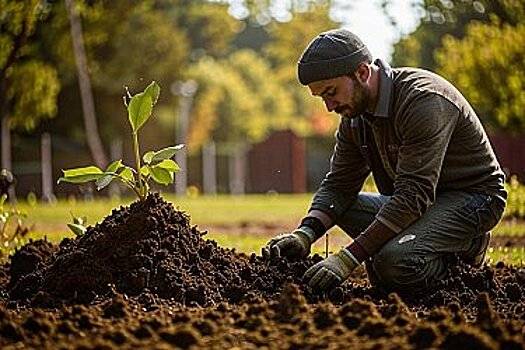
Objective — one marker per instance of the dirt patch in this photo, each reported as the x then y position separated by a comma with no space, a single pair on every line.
145,278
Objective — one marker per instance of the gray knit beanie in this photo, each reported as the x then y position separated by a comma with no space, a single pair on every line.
332,54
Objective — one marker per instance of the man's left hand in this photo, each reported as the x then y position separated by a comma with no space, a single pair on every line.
330,272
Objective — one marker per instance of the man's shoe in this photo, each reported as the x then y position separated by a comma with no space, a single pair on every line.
475,256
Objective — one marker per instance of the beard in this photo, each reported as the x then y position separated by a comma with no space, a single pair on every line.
358,103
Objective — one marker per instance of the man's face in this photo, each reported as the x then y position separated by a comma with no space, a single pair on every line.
344,95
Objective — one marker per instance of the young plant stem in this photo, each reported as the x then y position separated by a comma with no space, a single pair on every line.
129,184
140,185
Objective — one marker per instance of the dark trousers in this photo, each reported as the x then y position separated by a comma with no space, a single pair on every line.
417,258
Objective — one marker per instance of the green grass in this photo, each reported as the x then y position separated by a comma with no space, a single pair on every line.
510,228
204,210
245,223
514,255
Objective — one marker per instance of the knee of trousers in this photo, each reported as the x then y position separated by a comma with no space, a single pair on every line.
399,270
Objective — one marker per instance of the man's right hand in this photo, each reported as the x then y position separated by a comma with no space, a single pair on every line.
295,245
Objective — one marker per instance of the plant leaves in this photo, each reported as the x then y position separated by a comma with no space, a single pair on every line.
81,175
169,165
127,174
115,166
77,229
165,153
139,110
153,91
104,181
161,176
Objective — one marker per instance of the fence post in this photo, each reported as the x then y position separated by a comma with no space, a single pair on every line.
185,90
209,168
46,161
237,167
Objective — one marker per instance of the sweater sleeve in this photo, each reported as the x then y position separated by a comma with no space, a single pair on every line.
348,171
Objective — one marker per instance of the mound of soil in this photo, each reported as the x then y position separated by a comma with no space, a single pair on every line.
148,250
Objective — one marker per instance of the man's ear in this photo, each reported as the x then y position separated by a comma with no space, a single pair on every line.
363,73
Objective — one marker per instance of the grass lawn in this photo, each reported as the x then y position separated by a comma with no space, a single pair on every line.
241,222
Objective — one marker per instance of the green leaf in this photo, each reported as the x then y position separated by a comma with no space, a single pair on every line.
161,176
79,220
144,170
139,110
165,153
127,174
104,181
153,91
81,175
148,156
115,166
82,171
169,165
2,200
77,229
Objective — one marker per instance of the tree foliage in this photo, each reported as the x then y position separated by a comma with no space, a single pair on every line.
479,46
245,96
288,40
488,66
28,85
237,100
450,17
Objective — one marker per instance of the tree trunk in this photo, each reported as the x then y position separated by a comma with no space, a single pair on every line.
88,106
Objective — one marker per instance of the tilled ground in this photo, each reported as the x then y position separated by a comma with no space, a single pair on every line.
145,278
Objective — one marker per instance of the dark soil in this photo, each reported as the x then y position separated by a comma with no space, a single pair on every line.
145,278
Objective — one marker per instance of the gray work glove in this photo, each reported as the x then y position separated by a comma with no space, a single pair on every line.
294,245
330,272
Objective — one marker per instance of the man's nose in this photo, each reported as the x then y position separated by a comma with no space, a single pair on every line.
330,105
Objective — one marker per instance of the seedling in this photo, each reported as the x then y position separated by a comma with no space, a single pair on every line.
78,226
11,237
158,165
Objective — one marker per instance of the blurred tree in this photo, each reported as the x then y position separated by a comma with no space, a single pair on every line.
488,66
24,103
130,42
448,17
287,42
238,100
84,81
28,85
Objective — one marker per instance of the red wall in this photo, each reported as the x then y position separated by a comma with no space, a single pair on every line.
278,164
510,151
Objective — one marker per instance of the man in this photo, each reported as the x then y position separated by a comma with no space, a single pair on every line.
441,187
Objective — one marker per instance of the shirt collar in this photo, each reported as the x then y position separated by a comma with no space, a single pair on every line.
385,89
